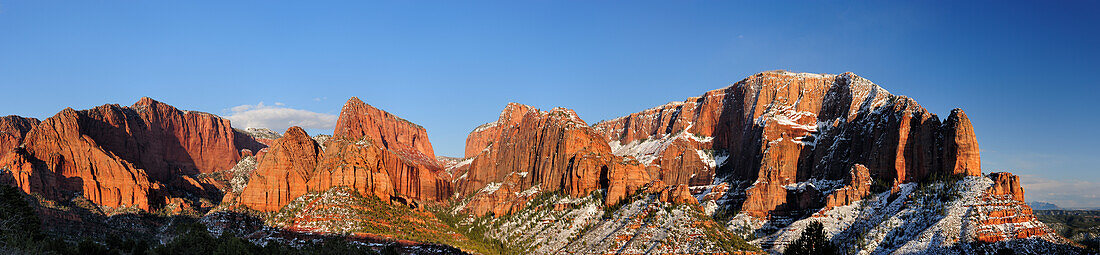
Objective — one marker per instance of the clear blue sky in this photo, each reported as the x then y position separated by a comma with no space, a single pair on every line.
1024,72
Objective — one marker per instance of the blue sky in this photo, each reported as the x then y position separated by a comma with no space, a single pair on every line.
1024,72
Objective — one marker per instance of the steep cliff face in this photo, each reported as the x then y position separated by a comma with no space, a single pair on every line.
527,151
960,146
124,156
777,130
372,152
359,120
12,130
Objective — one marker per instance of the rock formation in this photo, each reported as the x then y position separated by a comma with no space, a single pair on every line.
779,129
1002,213
960,146
372,152
858,187
359,120
282,173
123,156
527,151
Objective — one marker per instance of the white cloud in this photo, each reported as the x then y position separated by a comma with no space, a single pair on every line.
278,117
1062,193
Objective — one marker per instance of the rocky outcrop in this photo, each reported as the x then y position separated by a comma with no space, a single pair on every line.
678,194
282,173
1002,213
527,151
858,187
780,129
372,152
12,130
1006,186
123,156
960,147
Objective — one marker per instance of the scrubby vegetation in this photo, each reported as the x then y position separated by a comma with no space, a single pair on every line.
475,232
21,233
343,211
194,239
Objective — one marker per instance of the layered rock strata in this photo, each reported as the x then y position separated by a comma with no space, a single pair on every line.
1002,213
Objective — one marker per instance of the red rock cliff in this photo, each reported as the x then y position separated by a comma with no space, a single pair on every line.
358,120
281,174
527,151
960,146
120,156
12,130
781,128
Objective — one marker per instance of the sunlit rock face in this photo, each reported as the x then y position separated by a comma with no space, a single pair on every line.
125,156
528,151
775,130
282,173
1003,214
372,152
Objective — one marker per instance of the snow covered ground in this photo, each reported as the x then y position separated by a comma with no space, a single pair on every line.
935,218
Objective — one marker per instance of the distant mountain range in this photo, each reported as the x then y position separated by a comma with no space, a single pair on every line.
1037,205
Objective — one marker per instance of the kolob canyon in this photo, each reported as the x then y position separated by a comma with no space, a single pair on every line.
736,170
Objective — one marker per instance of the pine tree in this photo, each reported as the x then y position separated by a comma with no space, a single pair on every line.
812,241
19,225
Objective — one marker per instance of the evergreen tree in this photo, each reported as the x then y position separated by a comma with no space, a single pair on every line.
812,241
19,225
